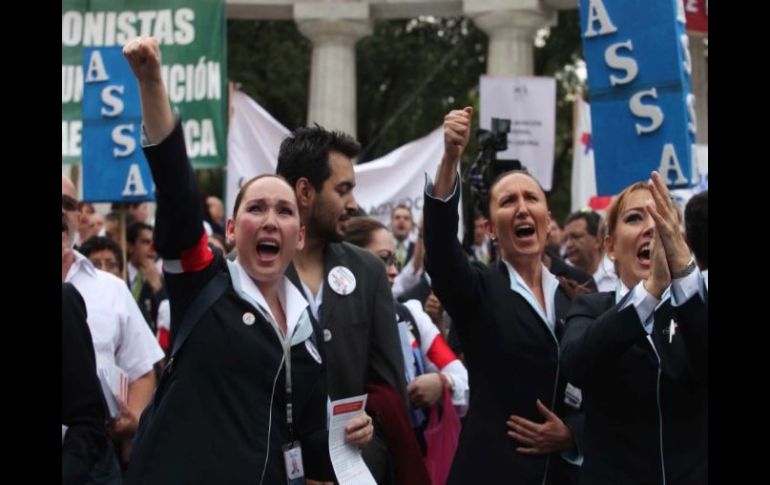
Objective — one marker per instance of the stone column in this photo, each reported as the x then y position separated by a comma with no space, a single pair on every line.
511,26
334,28
700,87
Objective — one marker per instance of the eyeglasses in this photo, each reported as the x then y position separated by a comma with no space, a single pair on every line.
68,203
105,264
389,258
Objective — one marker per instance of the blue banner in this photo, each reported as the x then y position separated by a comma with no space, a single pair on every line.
114,166
642,111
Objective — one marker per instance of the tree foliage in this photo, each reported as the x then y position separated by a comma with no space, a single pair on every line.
410,73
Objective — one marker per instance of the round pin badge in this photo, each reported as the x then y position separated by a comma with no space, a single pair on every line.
327,335
249,318
342,280
312,351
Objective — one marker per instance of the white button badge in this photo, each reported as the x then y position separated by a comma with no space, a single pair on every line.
342,280
249,318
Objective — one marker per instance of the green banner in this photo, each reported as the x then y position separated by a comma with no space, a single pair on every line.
192,39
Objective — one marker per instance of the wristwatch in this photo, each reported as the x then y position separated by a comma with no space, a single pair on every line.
686,271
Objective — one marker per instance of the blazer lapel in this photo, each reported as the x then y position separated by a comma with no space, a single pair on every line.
291,273
333,257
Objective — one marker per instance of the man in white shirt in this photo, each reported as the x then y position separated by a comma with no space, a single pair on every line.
480,250
584,248
401,225
144,272
120,335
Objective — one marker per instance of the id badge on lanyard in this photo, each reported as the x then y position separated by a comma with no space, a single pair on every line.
292,459
292,451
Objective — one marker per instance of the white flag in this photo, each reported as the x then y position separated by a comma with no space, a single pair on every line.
583,173
397,178
253,140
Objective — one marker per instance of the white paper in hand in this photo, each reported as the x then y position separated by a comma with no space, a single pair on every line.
346,458
114,383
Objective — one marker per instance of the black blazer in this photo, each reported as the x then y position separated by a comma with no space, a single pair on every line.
222,418
511,355
364,347
637,397
82,403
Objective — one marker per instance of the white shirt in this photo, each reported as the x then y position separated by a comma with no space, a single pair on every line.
120,334
680,290
455,369
605,277
298,326
407,278
132,270
549,285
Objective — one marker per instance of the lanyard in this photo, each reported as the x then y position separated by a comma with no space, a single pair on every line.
286,343
286,361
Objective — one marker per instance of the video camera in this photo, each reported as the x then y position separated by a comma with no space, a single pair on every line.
485,169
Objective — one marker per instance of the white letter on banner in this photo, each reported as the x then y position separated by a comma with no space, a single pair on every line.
691,120
687,63
145,18
668,161
694,165
163,31
109,29
123,135
680,16
597,11
615,61
185,32
96,71
126,30
112,100
654,113
175,79
208,140
93,29
70,138
134,179
192,131
71,28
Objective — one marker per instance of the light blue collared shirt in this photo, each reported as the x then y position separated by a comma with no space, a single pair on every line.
298,326
681,290
549,285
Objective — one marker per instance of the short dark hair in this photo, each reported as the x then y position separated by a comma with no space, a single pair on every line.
592,220
100,243
134,229
401,206
305,153
696,226
359,230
